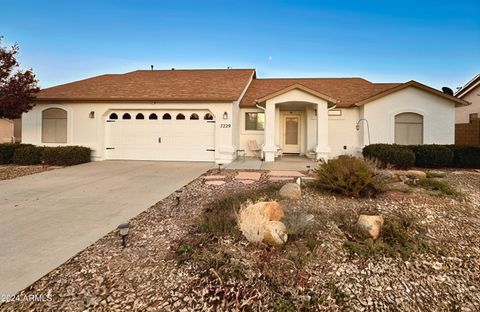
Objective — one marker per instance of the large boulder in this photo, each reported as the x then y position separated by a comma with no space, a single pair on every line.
291,191
272,211
416,174
275,233
370,225
261,222
397,187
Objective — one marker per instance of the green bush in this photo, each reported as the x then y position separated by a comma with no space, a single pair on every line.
347,175
28,155
465,156
7,150
436,185
66,155
431,155
390,154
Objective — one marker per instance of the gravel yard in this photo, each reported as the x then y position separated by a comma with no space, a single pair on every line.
8,172
171,263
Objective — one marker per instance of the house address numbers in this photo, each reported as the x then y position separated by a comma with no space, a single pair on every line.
225,125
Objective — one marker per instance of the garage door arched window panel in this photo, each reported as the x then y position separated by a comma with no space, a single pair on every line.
113,116
54,125
408,129
166,116
180,116
194,117
126,116
208,116
153,116
139,116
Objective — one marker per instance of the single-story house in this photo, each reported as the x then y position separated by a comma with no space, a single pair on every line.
209,115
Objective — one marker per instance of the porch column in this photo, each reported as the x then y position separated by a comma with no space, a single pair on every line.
322,149
269,148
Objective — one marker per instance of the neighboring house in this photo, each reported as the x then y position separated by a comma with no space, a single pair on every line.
470,93
10,130
207,115
467,118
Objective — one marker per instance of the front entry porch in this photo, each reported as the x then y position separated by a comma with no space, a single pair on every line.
296,122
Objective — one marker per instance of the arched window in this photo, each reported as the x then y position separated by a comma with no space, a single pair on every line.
167,116
153,116
113,116
208,116
194,116
139,116
408,129
54,125
180,117
126,116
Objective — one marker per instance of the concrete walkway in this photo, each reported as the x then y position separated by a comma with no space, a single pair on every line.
47,218
286,163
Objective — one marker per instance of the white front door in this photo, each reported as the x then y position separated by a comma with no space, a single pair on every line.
291,134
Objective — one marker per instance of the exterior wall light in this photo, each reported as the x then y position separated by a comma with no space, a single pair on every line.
225,115
123,230
91,115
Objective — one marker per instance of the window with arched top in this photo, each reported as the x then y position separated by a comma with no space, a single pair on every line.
54,125
113,116
180,117
408,129
126,116
167,116
208,116
194,116
139,116
153,116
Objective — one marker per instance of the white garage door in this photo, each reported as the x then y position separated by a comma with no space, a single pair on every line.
161,135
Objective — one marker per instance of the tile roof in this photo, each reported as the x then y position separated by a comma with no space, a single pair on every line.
156,85
346,91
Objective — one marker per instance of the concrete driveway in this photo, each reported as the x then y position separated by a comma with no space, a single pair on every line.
47,218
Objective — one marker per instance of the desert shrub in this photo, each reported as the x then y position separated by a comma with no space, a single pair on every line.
395,155
433,174
347,175
436,185
432,156
465,156
220,216
66,155
400,237
7,150
28,155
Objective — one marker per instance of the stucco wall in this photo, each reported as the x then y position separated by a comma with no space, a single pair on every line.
85,131
246,135
6,130
342,132
438,116
462,114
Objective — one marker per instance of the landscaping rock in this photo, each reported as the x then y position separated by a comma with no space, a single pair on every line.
262,219
275,233
417,174
273,211
291,191
397,186
370,225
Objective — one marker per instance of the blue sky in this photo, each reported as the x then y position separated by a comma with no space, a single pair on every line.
434,42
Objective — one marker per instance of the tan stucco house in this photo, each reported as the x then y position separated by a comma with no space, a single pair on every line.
10,130
209,115
470,93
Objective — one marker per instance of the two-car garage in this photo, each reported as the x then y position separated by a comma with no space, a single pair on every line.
176,135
